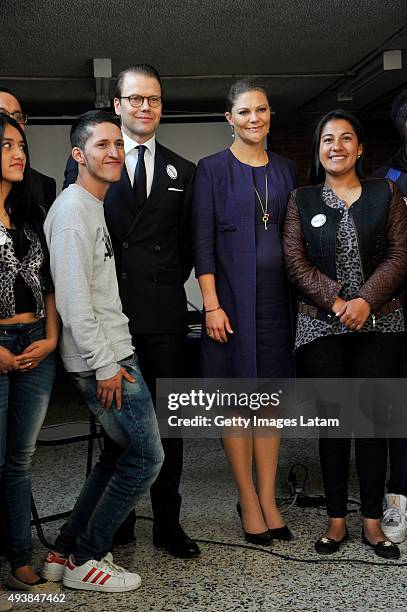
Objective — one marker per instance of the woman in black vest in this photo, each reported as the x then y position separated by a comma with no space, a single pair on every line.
28,338
345,245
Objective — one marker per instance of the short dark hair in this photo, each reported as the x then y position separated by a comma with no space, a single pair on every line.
242,86
81,129
145,69
317,172
7,90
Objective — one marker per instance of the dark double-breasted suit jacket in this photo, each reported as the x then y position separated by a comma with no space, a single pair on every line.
152,243
43,188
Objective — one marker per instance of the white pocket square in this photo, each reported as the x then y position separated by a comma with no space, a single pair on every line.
174,189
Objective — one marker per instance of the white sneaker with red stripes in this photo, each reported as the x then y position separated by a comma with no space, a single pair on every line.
54,566
103,575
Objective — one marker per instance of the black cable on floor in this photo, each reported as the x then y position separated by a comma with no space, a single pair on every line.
267,551
299,499
299,560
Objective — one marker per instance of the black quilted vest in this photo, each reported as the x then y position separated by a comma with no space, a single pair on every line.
369,214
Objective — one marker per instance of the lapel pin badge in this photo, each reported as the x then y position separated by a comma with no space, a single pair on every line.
3,238
172,171
318,220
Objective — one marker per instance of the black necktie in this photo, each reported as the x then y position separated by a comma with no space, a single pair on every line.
140,178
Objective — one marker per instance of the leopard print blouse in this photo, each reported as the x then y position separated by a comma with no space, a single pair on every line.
32,268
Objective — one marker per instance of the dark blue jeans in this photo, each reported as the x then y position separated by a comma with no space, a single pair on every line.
24,398
112,491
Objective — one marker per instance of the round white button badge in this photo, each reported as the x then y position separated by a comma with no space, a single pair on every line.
172,171
318,220
3,238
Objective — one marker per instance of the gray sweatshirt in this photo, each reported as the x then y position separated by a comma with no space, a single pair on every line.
95,334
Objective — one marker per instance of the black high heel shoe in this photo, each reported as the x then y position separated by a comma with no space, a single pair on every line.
261,539
281,533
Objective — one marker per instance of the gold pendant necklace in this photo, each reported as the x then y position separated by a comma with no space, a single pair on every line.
265,218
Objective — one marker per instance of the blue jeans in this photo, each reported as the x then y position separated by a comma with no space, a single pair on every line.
112,491
24,398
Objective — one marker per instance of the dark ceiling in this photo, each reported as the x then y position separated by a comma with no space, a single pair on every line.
307,51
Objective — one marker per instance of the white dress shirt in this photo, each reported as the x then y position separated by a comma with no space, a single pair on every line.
131,153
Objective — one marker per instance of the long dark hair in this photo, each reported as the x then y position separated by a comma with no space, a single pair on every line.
317,172
19,203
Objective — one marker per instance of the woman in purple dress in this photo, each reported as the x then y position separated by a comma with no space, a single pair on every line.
238,212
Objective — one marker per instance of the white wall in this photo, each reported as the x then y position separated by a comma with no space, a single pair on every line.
49,149
195,140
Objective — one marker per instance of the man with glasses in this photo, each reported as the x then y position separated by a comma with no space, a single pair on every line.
148,217
43,187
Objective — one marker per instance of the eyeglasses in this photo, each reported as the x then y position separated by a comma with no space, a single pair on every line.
137,101
17,115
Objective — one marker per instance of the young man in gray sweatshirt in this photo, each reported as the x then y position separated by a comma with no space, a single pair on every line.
97,351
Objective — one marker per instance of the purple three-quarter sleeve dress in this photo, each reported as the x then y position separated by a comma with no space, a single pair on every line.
230,241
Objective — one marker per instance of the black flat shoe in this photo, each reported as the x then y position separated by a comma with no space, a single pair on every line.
260,539
281,533
329,546
384,548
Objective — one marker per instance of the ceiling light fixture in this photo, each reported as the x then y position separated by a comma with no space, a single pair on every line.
102,71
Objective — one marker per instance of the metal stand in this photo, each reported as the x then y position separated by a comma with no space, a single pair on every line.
57,435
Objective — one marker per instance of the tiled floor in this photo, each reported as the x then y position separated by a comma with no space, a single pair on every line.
225,577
